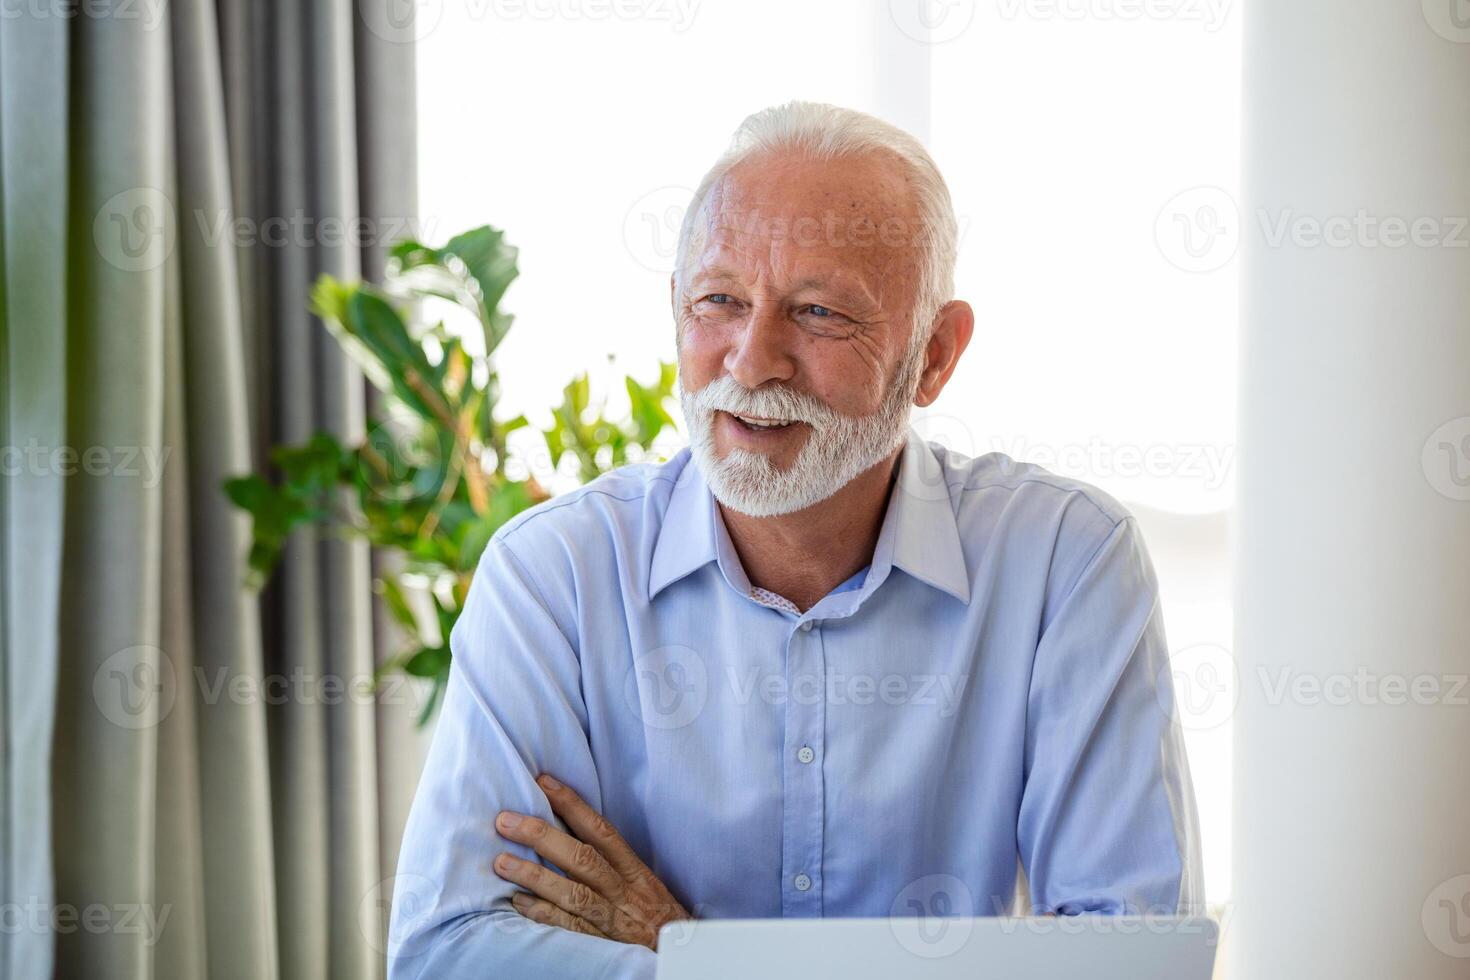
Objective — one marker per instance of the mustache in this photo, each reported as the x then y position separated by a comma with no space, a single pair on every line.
777,401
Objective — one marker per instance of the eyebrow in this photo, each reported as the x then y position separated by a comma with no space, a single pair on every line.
841,293
844,293
714,274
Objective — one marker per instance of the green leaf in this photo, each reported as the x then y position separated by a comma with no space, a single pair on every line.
330,301
250,493
310,471
510,425
428,662
403,461
448,612
393,597
452,355
509,500
578,393
556,439
474,269
477,535
371,331
491,263
435,696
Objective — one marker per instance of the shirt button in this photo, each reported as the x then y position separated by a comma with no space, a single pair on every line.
806,627
802,882
805,754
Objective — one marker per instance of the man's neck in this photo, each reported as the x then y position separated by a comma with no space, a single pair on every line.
804,555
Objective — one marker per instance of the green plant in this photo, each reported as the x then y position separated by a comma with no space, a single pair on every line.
428,483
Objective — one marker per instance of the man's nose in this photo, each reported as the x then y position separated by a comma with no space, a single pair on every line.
761,352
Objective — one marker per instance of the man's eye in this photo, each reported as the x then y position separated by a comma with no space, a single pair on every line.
720,298
822,311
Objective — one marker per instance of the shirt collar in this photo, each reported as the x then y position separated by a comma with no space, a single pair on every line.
686,540
919,533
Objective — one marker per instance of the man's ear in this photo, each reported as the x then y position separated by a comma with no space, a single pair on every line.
673,304
953,328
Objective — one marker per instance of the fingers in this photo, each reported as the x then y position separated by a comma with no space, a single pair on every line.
589,825
571,896
581,861
607,887
542,911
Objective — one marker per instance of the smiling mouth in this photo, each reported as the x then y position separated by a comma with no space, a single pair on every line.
757,424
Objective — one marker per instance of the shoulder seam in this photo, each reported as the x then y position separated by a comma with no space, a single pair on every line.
1079,491
538,592
1098,550
571,498
1084,567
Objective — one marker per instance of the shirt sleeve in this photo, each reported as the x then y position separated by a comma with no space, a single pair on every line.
1107,821
513,710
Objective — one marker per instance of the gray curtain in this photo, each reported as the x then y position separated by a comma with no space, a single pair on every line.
185,758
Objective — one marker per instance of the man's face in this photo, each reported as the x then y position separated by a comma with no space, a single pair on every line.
797,304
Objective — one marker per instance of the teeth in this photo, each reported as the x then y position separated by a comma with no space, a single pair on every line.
763,423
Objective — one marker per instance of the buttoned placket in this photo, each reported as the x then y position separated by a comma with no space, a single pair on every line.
802,796
804,742
801,770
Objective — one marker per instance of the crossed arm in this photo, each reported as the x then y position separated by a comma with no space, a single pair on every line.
471,897
606,891
475,895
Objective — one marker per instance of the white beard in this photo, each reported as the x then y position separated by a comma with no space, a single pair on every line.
838,448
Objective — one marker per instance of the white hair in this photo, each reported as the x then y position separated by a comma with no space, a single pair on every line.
826,132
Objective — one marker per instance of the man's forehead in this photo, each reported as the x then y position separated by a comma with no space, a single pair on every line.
796,187
732,263
837,224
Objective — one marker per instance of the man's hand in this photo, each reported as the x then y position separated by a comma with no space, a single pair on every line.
611,893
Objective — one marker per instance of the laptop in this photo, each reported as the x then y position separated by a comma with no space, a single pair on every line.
1093,947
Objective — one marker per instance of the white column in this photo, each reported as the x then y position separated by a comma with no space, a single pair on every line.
1352,782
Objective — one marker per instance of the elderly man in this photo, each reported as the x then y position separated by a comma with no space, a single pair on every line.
813,665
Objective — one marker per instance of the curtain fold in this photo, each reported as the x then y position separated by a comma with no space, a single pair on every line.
387,140
237,874
112,687
34,63
170,187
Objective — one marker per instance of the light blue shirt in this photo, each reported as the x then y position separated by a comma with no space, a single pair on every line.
992,690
